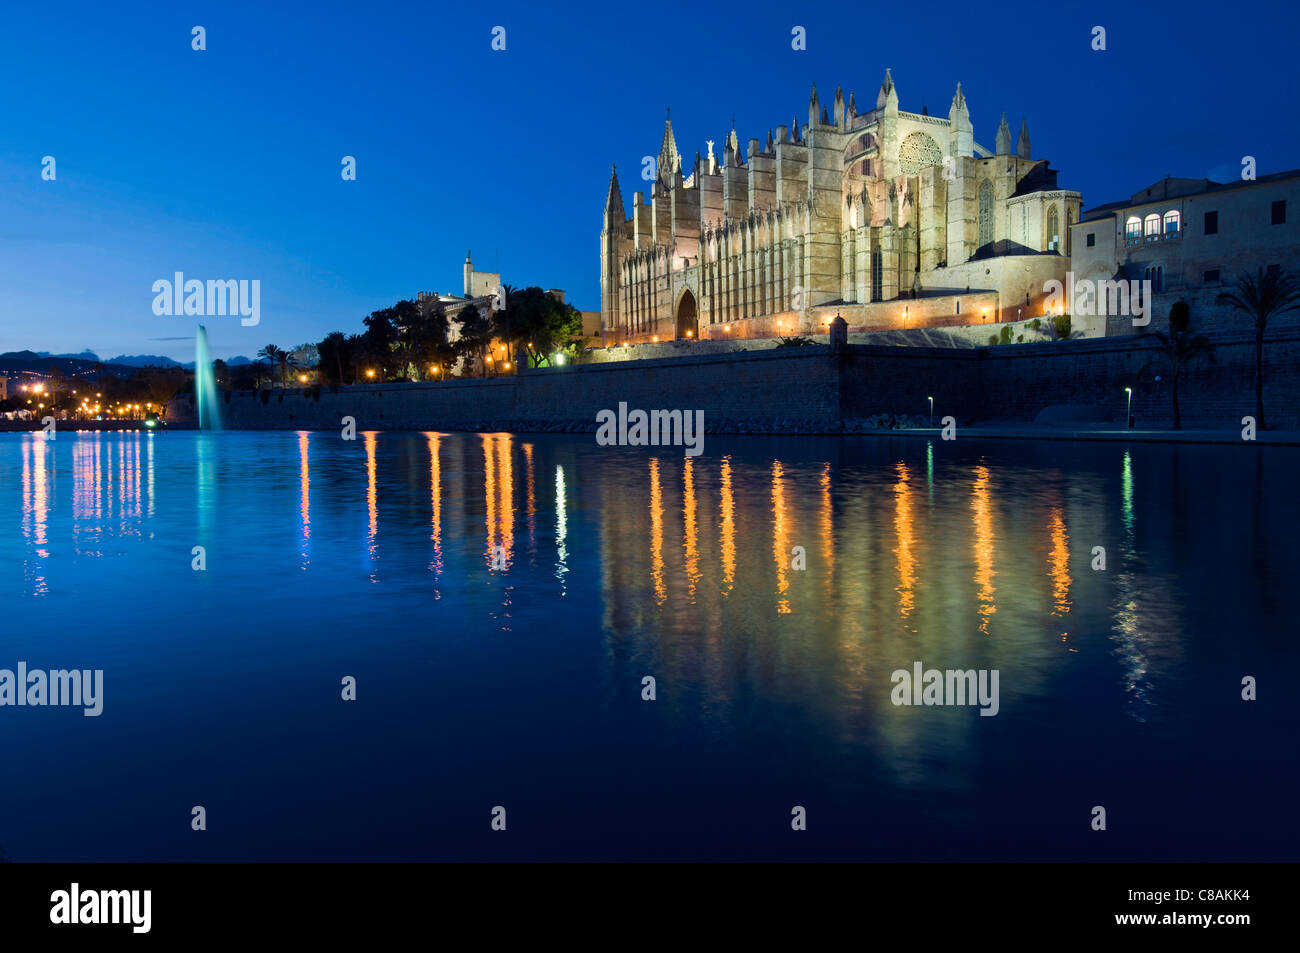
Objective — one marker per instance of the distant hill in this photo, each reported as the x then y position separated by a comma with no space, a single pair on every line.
16,362
147,360
87,364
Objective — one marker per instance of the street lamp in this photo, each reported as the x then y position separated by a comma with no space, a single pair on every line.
931,399
1129,391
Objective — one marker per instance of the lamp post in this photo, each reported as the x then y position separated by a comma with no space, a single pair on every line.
1129,391
931,400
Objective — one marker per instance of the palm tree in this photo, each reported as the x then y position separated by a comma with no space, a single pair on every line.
270,354
286,360
1181,346
1261,296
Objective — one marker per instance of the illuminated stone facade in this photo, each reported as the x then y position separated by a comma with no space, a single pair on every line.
856,212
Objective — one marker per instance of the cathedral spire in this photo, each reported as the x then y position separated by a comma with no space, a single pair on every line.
887,98
1022,146
961,132
812,106
853,106
794,129
839,106
613,201
670,160
1003,145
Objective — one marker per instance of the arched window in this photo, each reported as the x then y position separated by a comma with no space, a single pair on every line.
1133,228
986,213
1151,225
1053,229
1172,223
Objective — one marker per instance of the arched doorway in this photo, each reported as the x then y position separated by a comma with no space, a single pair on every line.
687,316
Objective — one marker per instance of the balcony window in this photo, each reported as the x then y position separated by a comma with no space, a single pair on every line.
1151,225
1172,224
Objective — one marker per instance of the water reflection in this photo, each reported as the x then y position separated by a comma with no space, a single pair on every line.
36,506
906,542
984,571
889,572
728,543
372,502
435,503
657,533
561,529
304,500
780,540
1059,567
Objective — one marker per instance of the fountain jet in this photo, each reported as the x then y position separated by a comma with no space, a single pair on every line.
205,383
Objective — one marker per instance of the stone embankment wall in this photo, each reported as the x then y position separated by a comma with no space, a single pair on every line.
812,389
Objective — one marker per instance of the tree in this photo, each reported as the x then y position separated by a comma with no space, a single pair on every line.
381,338
270,354
475,334
1262,295
355,354
1181,346
286,360
333,351
159,384
425,337
538,323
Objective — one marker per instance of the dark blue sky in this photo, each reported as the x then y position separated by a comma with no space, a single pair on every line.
225,163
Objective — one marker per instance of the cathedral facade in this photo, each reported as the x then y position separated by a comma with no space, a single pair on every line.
892,219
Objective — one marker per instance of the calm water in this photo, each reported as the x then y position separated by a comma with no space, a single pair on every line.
499,599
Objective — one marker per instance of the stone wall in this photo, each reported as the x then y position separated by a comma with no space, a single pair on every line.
813,388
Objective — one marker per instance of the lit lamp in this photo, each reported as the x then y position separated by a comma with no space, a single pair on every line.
1129,391
931,400
690,334
370,373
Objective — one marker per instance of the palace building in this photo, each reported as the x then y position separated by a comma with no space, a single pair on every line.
892,219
